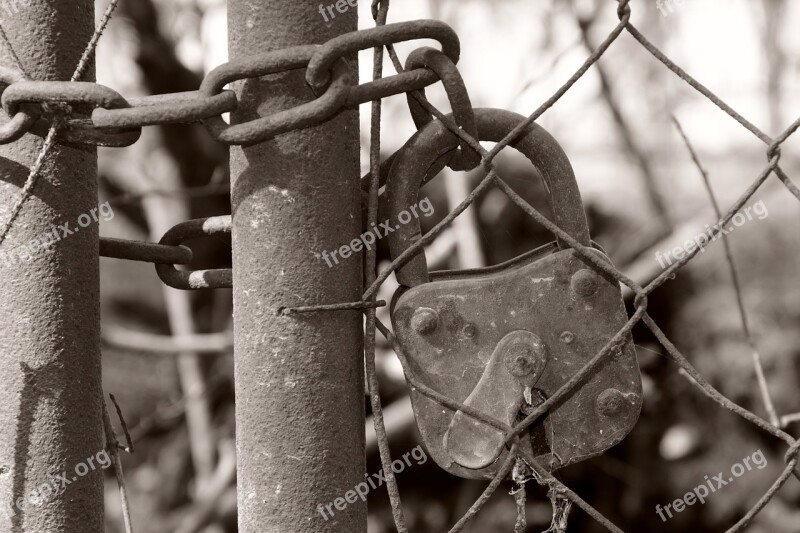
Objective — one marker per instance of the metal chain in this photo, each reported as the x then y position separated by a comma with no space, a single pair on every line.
116,121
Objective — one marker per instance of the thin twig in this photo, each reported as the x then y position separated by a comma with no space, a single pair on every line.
113,447
201,191
162,214
129,447
762,382
203,343
629,138
171,411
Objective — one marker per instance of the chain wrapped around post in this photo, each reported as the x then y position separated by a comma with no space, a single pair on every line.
111,120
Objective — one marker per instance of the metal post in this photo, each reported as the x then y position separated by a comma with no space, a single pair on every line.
299,380
50,399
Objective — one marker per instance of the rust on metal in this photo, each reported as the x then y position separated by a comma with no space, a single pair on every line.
445,69
264,128
57,92
318,73
80,131
532,299
21,97
15,127
145,252
519,357
197,279
495,338
175,108
426,153
20,123
404,82
117,122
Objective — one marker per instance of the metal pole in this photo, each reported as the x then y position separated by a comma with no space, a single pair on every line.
51,427
300,379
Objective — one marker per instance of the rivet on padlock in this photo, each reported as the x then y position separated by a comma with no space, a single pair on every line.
496,339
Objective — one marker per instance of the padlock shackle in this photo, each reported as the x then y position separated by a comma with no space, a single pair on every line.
426,154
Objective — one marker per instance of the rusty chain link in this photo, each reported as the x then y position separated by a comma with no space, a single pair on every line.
145,252
444,67
112,120
16,126
262,129
163,109
198,279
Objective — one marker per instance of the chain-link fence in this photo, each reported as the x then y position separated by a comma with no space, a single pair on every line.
53,107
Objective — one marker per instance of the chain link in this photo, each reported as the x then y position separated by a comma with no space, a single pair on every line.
466,158
264,128
60,92
198,279
145,252
163,109
171,251
16,126
319,68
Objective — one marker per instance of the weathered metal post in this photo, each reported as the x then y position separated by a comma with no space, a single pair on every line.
299,381
51,427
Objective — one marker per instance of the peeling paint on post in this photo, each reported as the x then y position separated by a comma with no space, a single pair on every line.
299,380
50,410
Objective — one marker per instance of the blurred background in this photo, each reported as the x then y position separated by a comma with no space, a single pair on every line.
641,192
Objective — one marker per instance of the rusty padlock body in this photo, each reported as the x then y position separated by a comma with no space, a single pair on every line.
485,336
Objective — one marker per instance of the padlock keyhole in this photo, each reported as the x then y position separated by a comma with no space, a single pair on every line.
538,431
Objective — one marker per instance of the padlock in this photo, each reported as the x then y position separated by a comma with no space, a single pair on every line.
503,339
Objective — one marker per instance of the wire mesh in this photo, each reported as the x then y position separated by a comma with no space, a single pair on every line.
561,496
493,179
